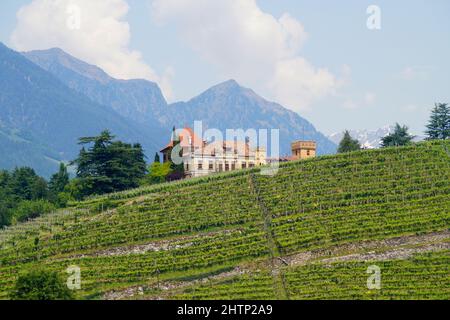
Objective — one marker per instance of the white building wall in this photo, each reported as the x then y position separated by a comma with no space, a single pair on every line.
234,162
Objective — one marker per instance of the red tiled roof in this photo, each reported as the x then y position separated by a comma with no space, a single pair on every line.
186,135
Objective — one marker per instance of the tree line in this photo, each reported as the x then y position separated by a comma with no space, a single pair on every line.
104,165
25,195
438,128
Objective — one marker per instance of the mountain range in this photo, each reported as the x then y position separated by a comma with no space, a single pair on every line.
227,105
41,118
369,139
49,99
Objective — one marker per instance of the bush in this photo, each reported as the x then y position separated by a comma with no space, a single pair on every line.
41,285
32,209
62,199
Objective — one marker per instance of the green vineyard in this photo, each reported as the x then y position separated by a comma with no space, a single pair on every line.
311,231
420,277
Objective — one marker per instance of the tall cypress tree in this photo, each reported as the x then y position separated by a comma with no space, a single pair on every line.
438,127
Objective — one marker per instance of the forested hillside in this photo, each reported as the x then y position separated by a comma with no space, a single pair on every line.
41,118
310,231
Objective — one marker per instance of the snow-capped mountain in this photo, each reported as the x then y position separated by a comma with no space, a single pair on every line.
369,139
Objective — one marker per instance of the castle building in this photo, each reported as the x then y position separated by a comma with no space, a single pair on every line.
303,149
300,150
201,158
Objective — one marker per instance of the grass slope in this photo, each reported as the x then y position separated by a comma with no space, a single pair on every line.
308,232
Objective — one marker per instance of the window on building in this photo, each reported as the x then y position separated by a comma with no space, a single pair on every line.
220,167
244,165
233,166
187,166
200,166
308,153
251,165
227,166
211,165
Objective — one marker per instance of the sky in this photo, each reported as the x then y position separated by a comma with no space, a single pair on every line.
350,64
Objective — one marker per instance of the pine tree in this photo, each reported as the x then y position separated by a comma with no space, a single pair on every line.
348,144
400,137
157,158
438,127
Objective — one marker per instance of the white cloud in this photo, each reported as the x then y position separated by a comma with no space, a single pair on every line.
297,83
93,31
251,46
